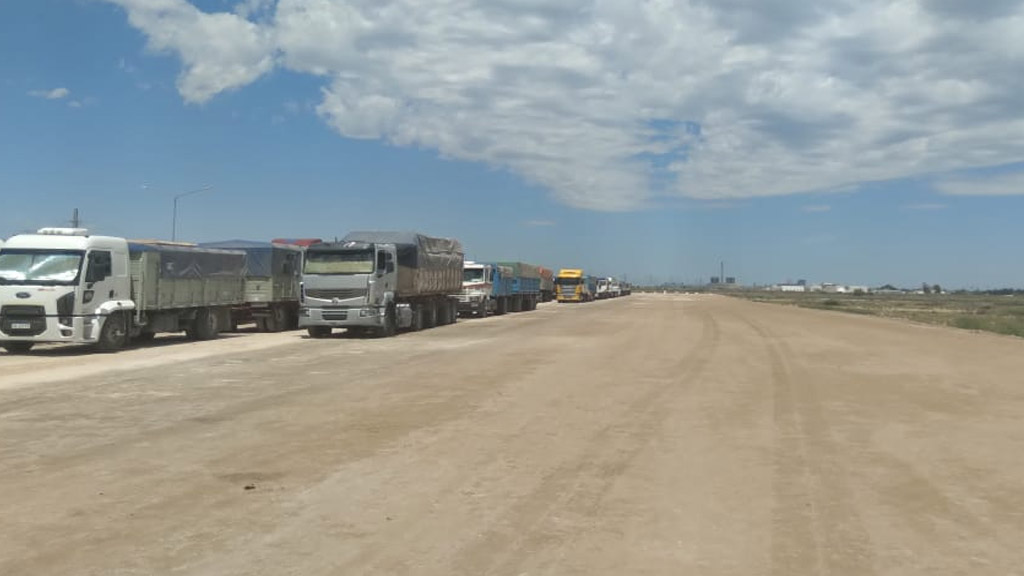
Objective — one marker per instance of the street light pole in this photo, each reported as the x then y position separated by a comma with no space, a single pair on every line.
174,216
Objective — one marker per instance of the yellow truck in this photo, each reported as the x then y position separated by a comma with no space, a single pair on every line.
572,285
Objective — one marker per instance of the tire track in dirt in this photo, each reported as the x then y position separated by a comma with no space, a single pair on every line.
374,560
815,525
576,489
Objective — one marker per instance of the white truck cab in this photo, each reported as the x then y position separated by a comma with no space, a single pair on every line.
58,285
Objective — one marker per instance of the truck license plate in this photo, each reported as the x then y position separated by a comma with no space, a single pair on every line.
21,326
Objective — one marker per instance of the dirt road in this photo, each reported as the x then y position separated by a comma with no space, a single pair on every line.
646,435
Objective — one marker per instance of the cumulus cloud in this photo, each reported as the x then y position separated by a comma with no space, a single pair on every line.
219,51
1010,184
55,94
615,104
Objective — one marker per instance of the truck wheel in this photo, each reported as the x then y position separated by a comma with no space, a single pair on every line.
319,331
278,320
502,306
430,315
453,313
205,325
485,309
390,327
17,347
417,319
114,334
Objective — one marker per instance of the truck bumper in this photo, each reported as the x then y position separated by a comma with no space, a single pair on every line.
368,316
83,330
472,306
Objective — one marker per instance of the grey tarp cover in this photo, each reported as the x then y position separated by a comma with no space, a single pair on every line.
415,250
187,262
523,269
259,256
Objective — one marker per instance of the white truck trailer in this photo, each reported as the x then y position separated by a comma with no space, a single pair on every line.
65,285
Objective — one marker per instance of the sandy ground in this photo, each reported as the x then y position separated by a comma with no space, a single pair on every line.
646,435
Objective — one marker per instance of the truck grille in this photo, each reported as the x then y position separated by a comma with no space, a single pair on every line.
332,293
23,320
335,315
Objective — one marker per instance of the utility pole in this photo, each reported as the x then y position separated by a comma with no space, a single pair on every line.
174,216
75,222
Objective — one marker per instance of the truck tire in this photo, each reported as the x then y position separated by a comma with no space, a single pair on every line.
502,306
277,321
204,327
17,347
319,331
430,314
485,308
114,334
417,319
390,327
453,313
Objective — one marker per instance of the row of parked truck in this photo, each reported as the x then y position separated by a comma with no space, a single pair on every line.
572,285
65,285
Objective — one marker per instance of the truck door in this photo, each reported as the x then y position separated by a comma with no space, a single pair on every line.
101,284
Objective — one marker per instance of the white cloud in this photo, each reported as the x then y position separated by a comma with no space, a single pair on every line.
1010,184
74,104
613,103
55,94
816,208
219,51
539,223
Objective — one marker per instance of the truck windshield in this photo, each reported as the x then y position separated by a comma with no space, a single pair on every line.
473,275
568,281
341,262
47,267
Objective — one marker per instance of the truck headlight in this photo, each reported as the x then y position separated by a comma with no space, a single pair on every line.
65,308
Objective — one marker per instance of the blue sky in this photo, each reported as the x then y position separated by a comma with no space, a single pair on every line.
556,138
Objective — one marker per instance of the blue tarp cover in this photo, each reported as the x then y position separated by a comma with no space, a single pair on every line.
259,256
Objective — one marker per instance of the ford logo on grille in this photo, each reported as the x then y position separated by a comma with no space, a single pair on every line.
23,295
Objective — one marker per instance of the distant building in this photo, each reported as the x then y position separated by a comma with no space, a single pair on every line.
730,280
715,279
791,288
